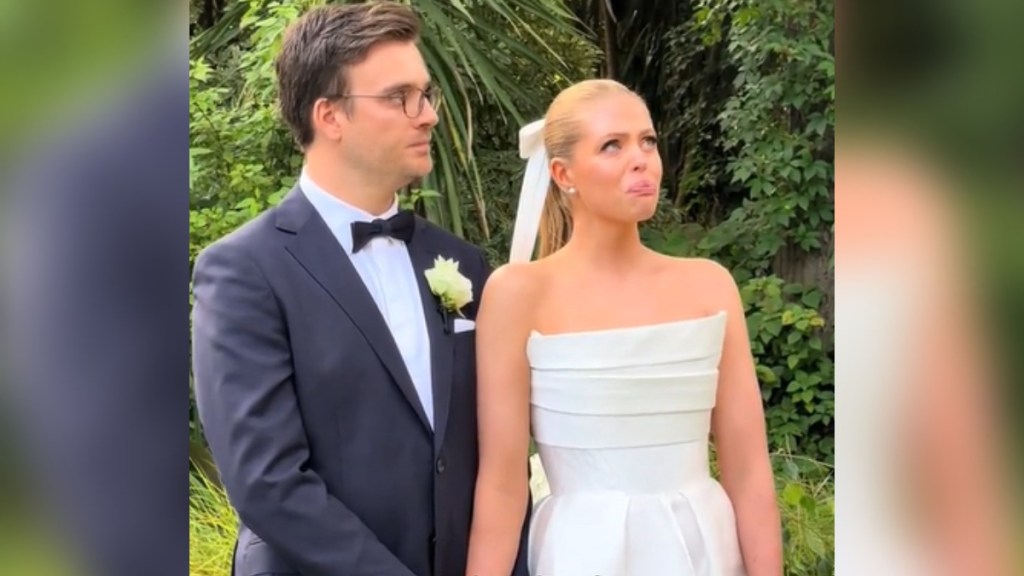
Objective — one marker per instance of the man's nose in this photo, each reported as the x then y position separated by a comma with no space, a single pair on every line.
428,116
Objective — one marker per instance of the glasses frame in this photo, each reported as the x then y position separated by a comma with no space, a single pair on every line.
431,94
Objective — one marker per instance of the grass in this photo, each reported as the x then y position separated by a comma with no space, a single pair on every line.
806,497
212,526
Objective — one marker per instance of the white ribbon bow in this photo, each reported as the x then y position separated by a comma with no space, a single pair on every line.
533,192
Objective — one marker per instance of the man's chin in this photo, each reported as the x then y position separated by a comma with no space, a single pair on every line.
412,178
419,170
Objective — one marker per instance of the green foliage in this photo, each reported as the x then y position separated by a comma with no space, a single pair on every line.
777,125
241,156
805,491
749,146
794,368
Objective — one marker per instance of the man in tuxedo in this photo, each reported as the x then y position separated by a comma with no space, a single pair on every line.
337,393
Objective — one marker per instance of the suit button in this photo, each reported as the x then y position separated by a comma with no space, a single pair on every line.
440,465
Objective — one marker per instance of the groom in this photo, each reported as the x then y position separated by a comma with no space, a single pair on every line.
336,392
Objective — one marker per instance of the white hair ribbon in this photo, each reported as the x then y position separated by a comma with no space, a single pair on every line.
533,192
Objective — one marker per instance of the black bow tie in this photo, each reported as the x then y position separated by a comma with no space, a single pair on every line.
400,226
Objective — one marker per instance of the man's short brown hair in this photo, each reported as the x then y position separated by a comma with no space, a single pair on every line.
320,46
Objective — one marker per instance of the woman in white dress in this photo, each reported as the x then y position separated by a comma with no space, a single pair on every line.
623,363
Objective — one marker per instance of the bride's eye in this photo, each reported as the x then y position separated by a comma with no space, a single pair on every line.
651,141
608,144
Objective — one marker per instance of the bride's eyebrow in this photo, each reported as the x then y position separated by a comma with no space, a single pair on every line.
644,132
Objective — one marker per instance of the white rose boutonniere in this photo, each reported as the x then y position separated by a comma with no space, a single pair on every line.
453,290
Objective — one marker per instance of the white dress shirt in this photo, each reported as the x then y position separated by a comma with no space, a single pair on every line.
387,271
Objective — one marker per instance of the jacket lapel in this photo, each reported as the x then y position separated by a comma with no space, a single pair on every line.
442,348
316,249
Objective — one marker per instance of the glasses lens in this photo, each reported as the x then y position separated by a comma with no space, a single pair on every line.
414,99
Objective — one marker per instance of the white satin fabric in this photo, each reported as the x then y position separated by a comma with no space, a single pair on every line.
621,419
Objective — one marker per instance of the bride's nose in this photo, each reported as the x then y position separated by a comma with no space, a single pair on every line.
639,161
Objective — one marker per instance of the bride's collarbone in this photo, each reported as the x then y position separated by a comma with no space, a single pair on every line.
571,305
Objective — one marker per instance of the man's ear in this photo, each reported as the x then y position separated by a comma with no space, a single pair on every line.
561,174
328,119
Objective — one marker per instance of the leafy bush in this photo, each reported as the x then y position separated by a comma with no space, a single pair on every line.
806,497
795,371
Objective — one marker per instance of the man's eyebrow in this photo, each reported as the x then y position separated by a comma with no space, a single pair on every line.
400,86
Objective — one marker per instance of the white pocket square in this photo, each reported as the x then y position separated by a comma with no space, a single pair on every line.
463,325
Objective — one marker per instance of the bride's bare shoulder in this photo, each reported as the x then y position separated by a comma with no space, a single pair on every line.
514,286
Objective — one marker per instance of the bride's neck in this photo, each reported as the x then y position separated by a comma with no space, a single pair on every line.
608,245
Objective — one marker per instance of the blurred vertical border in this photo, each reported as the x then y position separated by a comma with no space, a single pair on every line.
930,136
93,287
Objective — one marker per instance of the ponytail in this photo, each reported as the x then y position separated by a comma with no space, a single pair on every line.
555,222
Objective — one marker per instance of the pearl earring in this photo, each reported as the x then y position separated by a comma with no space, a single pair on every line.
570,190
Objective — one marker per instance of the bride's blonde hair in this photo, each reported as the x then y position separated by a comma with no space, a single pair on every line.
561,133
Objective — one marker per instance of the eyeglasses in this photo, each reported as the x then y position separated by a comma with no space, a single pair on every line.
410,99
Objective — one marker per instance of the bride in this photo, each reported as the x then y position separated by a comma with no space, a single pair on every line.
622,363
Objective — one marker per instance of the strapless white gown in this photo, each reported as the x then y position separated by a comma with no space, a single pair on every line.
621,419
